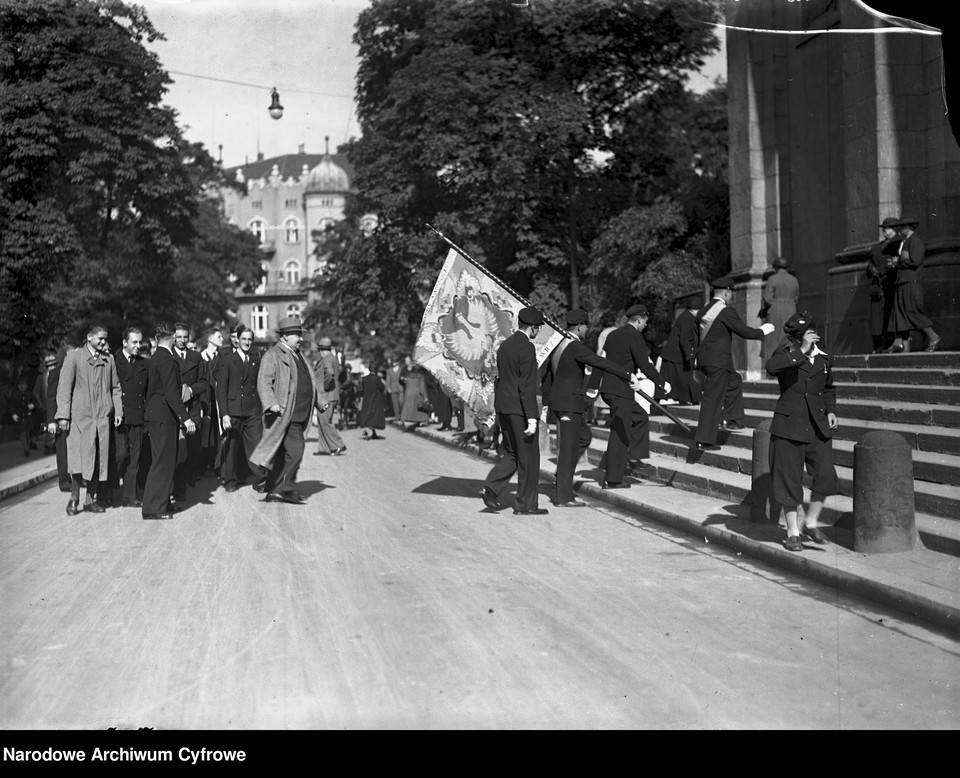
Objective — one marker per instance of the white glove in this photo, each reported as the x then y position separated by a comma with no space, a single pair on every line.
767,328
543,414
531,428
666,387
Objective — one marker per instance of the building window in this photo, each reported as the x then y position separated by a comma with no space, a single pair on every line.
259,228
259,320
256,205
291,204
293,272
293,310
291,229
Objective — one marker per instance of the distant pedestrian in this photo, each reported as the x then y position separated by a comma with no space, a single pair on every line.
414,398
908,312
721,404
780,295
515,402
373,403
883,289
327,375
19,403
89,402
287,390
803,423
394,387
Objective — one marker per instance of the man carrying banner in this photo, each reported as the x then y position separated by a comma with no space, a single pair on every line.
515,402
564,385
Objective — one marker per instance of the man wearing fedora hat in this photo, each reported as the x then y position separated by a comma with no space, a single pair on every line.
721,403
515,402
287,390
907,313
327,374
563,390
882,279
780,295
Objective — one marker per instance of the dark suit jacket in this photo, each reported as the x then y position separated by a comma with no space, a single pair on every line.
237,386
682,342
193,374
133,386
807,394
517,377
626,348
53,381
714,350
163,390
564,385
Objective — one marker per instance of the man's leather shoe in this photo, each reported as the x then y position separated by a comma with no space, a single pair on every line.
531,512
94,507
132,503
571,504
157,516
340,450
731,425
707,447
284,497
73,507
621,485
260,488
815,534
230,488
490,498
793,543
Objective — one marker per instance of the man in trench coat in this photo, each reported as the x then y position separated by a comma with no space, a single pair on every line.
89,400
288,393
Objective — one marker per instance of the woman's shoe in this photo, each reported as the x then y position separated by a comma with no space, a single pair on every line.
933,345
897,348
793,543
816,535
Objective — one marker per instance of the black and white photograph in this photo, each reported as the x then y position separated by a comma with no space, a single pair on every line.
474,365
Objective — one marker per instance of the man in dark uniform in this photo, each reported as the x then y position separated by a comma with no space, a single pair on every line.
164,415
563,392
287,391
679,351
240,410
132,372
629,437
194,378
882,278
721,404
803,424
515,401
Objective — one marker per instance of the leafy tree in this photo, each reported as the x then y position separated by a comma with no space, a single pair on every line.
483,119
102,210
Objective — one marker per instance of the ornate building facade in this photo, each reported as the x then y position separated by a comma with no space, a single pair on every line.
830,134
286,198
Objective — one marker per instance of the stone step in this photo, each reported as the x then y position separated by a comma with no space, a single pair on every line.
925,376
937,532
736,455
919,436
883,392
914,359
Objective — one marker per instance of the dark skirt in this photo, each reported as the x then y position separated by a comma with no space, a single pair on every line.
373,404
907,313
683,388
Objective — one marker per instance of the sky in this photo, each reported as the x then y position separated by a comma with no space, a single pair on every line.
304,48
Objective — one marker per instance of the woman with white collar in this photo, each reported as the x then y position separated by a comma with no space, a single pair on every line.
802,429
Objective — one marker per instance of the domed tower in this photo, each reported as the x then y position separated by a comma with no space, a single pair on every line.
324,198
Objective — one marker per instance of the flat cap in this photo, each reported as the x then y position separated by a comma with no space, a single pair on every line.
530,316
576,316
798,324
890,221
637,310
724,282
289,325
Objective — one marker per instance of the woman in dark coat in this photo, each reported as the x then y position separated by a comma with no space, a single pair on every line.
373,407
802,430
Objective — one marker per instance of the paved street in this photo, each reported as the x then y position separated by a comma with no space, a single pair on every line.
393,601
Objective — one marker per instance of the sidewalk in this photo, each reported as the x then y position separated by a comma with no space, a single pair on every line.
18,472
921,583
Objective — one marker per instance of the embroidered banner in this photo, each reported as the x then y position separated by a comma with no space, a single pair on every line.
470,313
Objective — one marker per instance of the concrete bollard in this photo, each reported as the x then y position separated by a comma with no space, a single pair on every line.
884,519
761,491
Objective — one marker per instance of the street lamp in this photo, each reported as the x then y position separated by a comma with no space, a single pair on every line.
275,109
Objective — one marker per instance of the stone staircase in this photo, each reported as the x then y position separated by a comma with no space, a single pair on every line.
916,395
